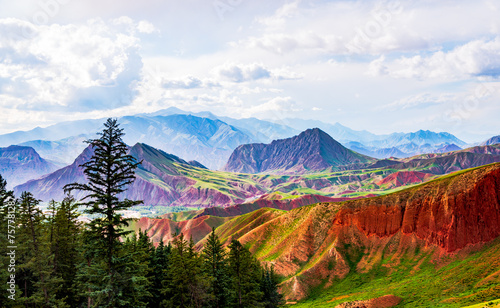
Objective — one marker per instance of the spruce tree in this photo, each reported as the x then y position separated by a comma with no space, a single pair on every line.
215,266
64,243
39,283
159,261
137,247
245,275
271,298
109,171
185,283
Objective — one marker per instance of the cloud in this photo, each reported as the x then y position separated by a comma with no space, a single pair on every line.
420,100
185,83
473,59
145,26
370,27
86,67
276,108
251,72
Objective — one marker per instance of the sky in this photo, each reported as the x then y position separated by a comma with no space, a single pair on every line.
382,66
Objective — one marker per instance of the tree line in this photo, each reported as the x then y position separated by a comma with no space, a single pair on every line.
61,262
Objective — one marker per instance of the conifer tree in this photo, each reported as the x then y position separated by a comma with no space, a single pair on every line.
159,261
109,268
137,248
215,266
185,284
64,243
271,298
39,283
245,275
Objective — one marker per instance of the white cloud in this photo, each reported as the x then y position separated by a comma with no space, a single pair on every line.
370,27
476,58
87,67
278,107
420,100
145,26
251,72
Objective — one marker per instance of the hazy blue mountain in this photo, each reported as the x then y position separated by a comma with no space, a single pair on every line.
19,164
259,130
262,131
337,131
61,152
54,132
419,139
210,139
448,148
207,141
375,152
492,141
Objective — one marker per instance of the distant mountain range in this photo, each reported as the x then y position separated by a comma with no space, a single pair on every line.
287,167
312,150
19,164
210,139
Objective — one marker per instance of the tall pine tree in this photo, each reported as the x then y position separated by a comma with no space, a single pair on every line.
38,282
185,284
108,272
215,266
64,242
245,273
271,298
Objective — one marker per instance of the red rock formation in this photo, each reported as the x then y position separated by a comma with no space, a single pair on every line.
451,213
402,178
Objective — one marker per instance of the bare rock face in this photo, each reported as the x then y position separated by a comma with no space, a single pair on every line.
451,213
312,150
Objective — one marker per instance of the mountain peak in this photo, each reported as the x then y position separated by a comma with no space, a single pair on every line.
492,141
311,150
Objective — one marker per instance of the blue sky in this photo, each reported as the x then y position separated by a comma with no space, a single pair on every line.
384,66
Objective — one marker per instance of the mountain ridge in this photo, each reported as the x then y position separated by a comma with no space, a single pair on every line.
311,150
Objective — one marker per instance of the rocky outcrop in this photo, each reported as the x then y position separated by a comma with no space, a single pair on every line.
311,150
269,201
455,161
